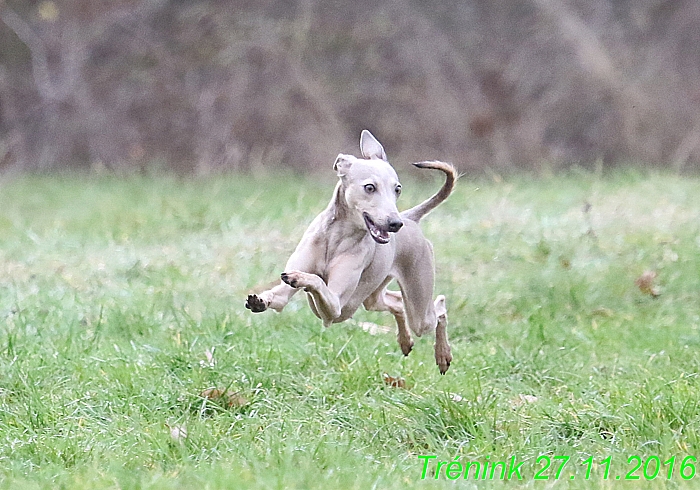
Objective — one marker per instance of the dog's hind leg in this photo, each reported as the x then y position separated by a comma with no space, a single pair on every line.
384,300
416,279
443,353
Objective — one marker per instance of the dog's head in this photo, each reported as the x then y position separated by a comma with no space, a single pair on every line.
370,187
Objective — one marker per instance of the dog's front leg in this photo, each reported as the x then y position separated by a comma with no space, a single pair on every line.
329,299
327,304
275,298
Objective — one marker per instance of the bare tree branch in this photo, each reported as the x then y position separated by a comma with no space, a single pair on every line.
24,32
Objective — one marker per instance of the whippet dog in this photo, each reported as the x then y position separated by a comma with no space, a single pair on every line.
359,244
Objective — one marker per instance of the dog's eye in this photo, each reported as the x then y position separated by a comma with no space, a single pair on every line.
398,189
370,188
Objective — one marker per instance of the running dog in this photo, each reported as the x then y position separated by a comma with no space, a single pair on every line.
359,244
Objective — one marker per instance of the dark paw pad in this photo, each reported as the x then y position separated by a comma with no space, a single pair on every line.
255,304
444,363
444,367
289,280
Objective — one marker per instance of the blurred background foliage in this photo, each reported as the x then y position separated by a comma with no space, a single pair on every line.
208,85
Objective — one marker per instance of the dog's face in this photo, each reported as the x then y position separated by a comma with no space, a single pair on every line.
371,188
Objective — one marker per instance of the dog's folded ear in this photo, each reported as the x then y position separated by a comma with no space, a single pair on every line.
342,164
370,147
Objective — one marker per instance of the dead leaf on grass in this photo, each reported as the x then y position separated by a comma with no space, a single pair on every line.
394,382
224,398
645,283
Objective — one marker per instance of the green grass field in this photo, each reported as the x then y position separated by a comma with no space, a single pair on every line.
121,300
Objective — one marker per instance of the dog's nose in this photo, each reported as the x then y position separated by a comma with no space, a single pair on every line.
395,225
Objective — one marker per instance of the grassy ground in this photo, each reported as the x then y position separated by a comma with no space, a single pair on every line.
121,300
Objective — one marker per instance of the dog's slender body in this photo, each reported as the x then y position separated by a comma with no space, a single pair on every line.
347,256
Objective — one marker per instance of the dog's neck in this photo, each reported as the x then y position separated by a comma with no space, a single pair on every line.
339,215
338,204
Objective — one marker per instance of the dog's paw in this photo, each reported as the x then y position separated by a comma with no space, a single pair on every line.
406,345
255,303
294,279
443,360
288,279
444,365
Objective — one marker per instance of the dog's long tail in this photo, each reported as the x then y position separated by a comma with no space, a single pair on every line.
417,212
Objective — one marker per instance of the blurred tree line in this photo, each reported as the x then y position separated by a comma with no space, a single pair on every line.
204,85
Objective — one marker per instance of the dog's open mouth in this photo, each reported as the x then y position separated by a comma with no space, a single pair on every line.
378,234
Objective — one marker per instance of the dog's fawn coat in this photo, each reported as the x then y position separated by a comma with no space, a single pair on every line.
360,243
